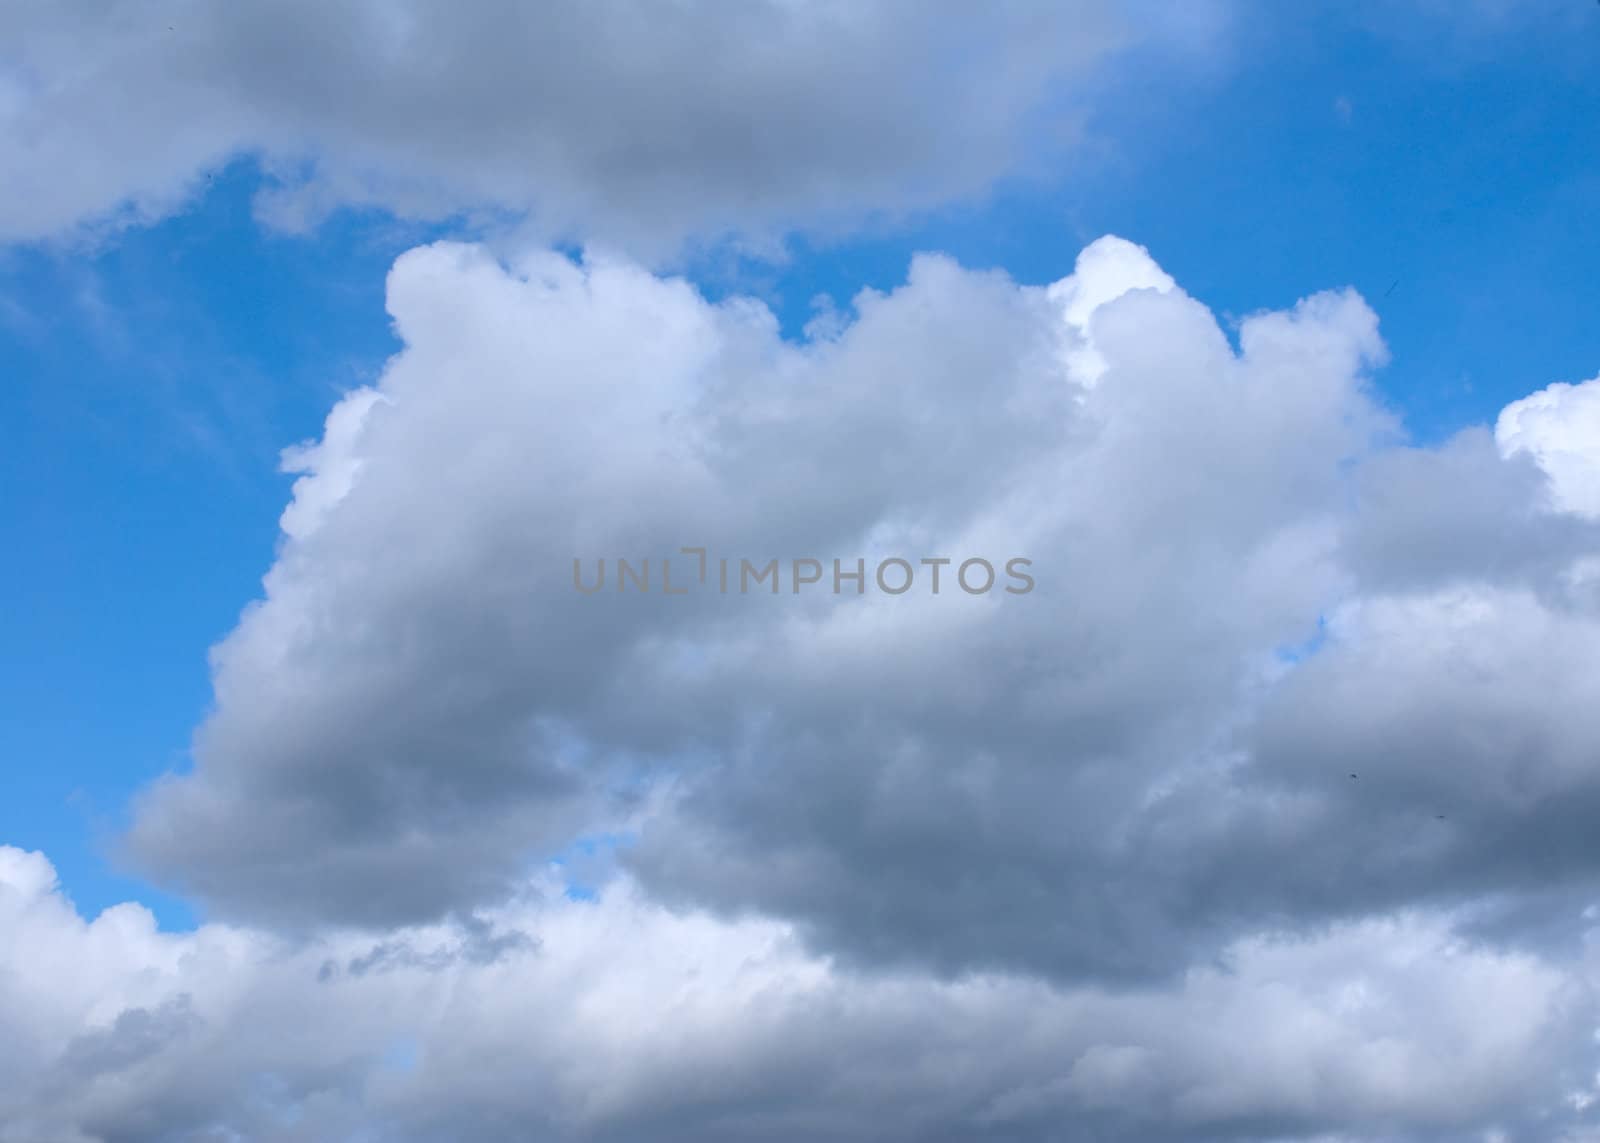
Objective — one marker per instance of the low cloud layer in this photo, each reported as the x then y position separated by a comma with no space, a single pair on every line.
639,124
620,1020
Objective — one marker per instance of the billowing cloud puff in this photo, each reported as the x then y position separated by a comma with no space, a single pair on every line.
616,1019
1559,426
423,700
637,123
1276,667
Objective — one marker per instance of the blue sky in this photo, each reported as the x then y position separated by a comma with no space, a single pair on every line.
152,376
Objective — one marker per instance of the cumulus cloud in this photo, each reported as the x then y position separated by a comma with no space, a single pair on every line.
1227,827
633,122
1558,427
1278,666
618,1019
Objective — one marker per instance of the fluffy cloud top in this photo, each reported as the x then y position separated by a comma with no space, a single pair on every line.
1559,428
1249,589
638,123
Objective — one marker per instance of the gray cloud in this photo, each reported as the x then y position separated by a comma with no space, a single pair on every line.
1249,587
636,123
1461,514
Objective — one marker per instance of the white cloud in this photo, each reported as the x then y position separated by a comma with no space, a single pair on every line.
619,1017
1106,270
1560,427
326,468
